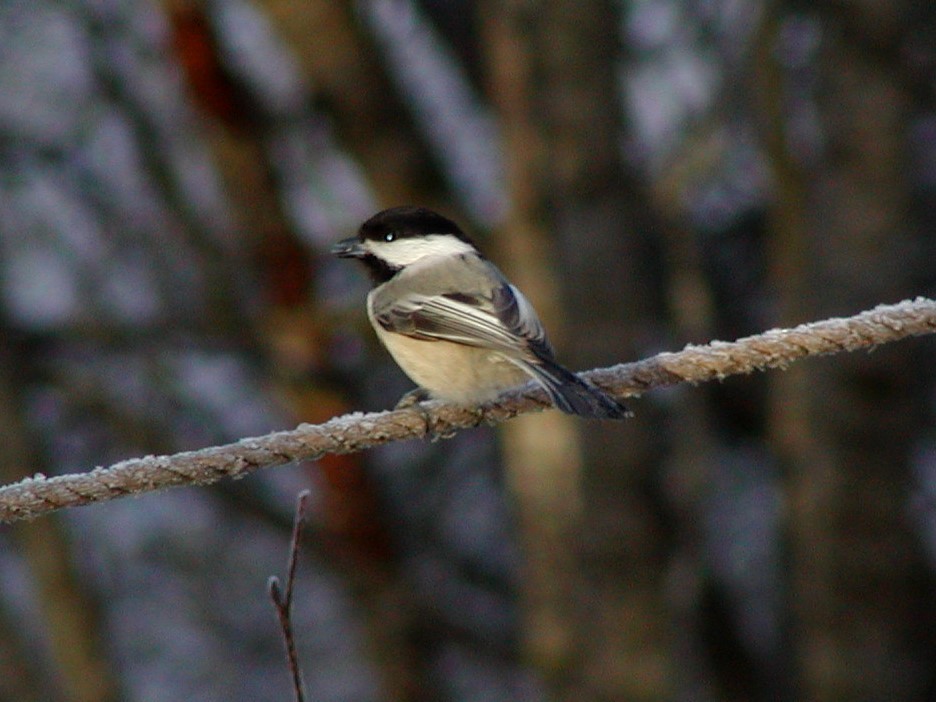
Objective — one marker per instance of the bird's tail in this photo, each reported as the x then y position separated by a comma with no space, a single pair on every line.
573,395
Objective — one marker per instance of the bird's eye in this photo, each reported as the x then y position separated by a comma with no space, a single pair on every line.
389,236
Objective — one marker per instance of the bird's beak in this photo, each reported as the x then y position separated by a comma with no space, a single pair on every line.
349,248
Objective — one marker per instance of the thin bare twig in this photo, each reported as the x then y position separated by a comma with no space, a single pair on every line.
283,602
777,348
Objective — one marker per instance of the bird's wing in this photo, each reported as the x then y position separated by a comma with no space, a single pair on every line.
501,320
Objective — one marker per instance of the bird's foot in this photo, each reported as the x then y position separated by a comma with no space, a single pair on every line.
413,400
413,397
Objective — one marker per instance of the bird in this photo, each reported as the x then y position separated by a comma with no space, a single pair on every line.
453,322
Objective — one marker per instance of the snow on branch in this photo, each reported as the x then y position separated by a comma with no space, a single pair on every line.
39,495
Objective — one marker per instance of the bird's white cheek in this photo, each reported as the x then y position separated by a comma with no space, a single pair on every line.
404,252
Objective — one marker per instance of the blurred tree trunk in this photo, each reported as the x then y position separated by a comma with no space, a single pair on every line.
574,234
860,596
72,619
350,85
542,453
21,680
350,82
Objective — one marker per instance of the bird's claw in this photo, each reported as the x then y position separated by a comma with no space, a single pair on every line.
413,400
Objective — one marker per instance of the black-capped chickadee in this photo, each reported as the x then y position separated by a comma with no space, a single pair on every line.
452,321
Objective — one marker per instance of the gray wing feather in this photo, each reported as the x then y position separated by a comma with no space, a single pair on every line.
487,322
500,319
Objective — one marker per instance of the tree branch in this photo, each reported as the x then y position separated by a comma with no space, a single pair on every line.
36,496
282,601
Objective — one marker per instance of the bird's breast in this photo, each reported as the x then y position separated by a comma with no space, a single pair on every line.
450,371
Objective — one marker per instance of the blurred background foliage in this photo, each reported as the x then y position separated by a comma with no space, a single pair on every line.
651,172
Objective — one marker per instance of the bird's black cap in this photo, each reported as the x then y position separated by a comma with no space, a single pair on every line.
409,221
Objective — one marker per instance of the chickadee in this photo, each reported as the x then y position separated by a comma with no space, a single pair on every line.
452,321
